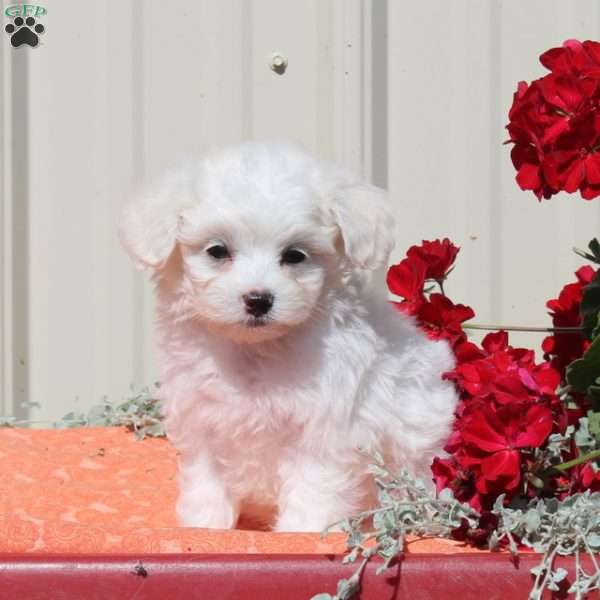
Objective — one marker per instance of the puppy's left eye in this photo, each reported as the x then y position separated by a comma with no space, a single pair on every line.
292,256
218,251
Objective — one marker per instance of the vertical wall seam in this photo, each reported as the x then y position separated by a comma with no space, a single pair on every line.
5,241
5,381
379,93
19,206
366,89
247,64
138,144
495,174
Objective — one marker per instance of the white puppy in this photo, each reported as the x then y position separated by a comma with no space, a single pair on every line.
277,362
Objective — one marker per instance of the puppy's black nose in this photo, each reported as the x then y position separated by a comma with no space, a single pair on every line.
258,303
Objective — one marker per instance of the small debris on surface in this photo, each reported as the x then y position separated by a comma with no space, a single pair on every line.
140,570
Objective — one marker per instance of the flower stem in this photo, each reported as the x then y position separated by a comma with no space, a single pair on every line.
522,328
577,461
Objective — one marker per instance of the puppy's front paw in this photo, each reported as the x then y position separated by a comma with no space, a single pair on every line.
204,500
292,520
196,512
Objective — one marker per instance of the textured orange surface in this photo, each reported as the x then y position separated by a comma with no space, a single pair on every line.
99,490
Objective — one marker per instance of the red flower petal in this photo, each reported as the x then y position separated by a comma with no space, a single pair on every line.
493,342
527,380
438,255
407,278
589,192
481,434
528,177
592,168
537,427
585,274
467,352
573,176
503,465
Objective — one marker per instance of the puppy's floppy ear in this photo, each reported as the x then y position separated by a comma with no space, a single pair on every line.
149,224
366,224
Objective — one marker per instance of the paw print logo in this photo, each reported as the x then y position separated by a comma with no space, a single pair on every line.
24,31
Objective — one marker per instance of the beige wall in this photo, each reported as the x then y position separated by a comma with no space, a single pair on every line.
413,93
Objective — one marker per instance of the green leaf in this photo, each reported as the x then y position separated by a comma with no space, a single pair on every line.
71,419
156,430
582,373
594,247
346,588
537,570
532,520
583,438
559,575
594,254
594,541
351,556
590,305
594,424
594,390
355,538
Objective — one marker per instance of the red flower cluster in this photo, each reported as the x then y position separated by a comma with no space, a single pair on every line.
508,408
438,257
563,348
554,124
508,403
437,314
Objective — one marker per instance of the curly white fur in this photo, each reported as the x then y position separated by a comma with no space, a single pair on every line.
268,413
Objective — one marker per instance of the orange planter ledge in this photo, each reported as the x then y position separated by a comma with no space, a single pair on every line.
100,490
89,513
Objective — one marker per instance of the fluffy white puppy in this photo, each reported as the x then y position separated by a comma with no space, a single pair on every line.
277,362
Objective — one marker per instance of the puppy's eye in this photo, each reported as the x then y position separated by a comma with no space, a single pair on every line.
292,256
218,251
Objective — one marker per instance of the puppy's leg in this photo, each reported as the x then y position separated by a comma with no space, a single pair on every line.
314,495
203,498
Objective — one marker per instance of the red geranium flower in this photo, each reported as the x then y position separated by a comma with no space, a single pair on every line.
447,473
508,405
442,319
501,434
581,59
407,278
508,408
564,348
502,373
439,256
554,124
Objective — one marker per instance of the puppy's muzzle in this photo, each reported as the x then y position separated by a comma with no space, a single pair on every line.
258,304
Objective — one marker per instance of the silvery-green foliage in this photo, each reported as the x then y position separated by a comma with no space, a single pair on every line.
559,444
406,508
556,528
140,412
583,438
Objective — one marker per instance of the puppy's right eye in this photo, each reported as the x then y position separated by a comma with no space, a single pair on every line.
292,256
218,251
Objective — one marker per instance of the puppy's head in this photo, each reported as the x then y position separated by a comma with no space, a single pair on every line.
263,231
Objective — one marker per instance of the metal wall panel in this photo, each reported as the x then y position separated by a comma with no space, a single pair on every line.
413,94
454,67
